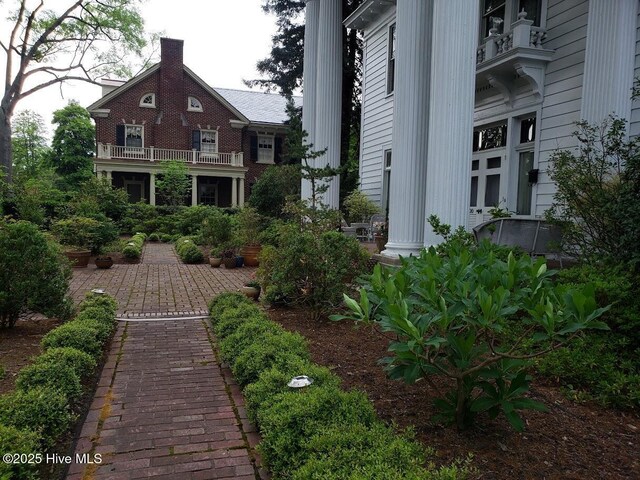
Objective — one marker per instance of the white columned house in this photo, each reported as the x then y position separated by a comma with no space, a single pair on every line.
411,123
453,60
326,94
309,79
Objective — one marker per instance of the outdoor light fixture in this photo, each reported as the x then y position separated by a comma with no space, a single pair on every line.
300,381
98,291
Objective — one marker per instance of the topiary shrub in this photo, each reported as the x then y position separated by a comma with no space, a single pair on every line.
227,300
133,248
15,441
154,237
74,335
105,302
273,381
33,275
41,410
80,362
188,251
287,424
165,238
228,321
271,350
54,375
244,336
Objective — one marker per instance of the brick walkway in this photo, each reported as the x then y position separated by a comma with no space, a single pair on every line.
164,408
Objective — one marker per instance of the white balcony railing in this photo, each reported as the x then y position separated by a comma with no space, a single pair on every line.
523,35
106,151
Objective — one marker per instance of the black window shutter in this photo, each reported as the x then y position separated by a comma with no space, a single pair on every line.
120,135
195,139
277,150
253,148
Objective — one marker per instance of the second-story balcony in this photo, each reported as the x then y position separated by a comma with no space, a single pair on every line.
519,52
107,151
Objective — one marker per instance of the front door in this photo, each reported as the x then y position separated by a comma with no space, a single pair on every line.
135,190
488,183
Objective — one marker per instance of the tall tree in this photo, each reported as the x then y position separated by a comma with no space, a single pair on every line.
29,143
73,145
282,71
70,40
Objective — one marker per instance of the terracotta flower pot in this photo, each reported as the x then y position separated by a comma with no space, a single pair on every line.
215,262
104,262
250,254
251,292
78,258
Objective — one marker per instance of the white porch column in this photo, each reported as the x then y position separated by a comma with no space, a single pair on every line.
410,124
609,59
109,177
241,192
453,72
234,192
309,79
329,93
194,190
152,188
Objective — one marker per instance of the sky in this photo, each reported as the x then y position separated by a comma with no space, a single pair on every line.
223,40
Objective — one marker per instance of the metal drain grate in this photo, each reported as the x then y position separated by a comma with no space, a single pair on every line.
159,317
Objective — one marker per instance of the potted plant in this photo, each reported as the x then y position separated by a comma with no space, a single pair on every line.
251,289
215,257
229,258
249,221
380,235
104,262
78,236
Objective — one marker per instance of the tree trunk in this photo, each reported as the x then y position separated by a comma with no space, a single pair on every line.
5,145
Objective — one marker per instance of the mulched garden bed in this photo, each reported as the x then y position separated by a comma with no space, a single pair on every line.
571,441
18,345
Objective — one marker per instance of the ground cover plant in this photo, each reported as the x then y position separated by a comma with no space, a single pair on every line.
297,426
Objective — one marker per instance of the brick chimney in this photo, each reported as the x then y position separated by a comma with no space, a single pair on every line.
172,101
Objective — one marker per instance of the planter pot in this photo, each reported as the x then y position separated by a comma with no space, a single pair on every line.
381,241
215,262
229,262
78,258
250,254
251,292
239,261
104,262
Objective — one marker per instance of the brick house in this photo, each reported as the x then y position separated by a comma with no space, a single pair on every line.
227,138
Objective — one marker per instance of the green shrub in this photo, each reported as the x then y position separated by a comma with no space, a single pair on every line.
85,232
450,312
103,330
165,238
154,237
272,349
216,228
33,275
80,362
244,336
105,302
41,410
274,381
228,320
356,451
226,300
287,424
135,216
54,375
190,253
133,247
74,335
15,441
359,207
270,192
309,269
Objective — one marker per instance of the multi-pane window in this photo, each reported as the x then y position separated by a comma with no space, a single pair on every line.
208,141
194,105
491,137
533,9
133,136
265,148
148,100
493,16
391,65
499,15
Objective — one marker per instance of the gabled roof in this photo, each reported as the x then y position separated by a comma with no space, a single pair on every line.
259,107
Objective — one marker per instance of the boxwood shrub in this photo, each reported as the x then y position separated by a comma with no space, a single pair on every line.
80,362
13,440
133,248
105,302
42,410
56,376
75,335
188,251
246,335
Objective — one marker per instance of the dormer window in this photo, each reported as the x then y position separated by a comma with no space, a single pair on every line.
194,105
148,100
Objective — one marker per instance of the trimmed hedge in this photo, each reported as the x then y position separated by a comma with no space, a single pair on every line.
56,376
13,440
133,248
188,251
80,362
318,432
75,335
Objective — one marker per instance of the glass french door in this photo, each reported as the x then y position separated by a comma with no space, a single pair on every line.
488,184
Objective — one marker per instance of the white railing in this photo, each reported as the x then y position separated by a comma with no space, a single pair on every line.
523,34
106,151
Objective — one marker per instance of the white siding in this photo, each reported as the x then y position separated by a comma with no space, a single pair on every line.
566,34
377,113
635,109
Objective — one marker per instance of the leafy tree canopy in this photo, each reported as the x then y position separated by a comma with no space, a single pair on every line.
29,143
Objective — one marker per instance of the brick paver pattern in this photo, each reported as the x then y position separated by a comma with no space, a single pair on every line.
164,408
